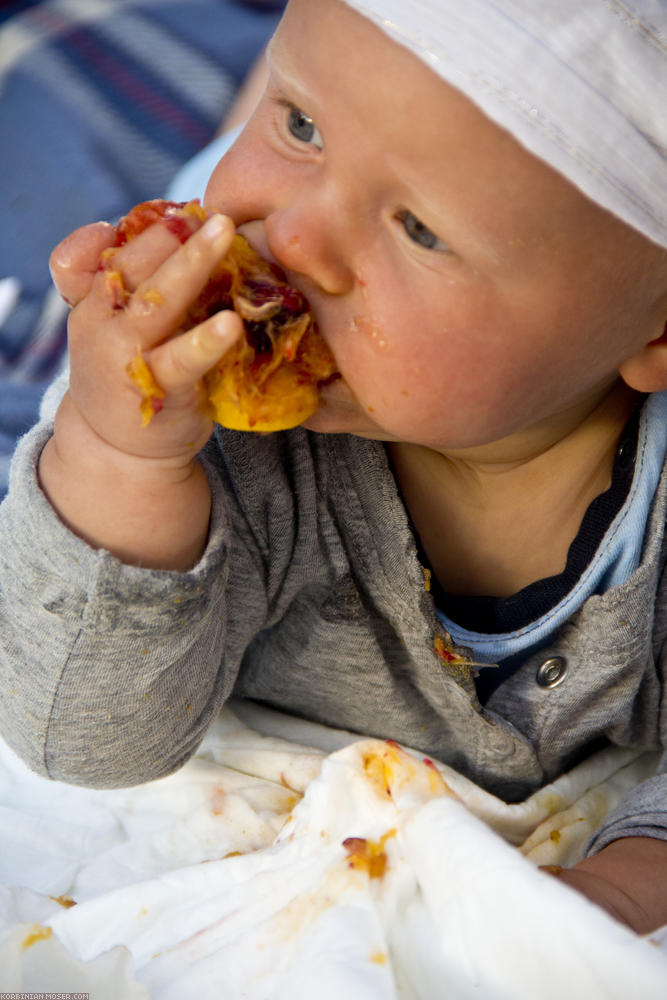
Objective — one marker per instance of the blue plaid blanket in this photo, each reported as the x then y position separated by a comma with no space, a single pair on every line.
101,103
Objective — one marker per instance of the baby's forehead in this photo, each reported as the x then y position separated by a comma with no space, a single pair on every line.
579,85
422,144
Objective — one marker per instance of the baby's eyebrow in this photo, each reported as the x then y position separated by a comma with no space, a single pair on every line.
284,72
269,51
276,57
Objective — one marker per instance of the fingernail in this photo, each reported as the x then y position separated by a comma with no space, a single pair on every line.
214,228
220,323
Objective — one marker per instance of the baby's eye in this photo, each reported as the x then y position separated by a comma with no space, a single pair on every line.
419,233
303,127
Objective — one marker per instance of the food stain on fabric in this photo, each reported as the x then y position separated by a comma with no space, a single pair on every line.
38,933
65,901
218,801
368,855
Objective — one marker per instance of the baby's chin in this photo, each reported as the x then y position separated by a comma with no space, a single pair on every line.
340,412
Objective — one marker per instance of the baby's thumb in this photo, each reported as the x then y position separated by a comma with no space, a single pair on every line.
75,260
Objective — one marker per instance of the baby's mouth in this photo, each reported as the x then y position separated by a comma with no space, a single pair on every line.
253,232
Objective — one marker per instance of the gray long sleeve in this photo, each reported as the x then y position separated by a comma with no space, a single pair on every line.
109,673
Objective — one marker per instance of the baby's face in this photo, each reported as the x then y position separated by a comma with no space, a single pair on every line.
467,291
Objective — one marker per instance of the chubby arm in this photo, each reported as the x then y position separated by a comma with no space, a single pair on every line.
113,648
625,870
628,878
138,492
109,673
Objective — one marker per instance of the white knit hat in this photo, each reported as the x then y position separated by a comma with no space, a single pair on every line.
581,83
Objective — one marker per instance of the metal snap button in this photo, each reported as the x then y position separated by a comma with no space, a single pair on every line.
552,672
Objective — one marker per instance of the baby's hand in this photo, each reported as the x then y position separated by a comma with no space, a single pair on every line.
136,306
628,879
137,491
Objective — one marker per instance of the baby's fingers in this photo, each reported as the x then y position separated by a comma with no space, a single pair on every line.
75,261
181,362
159,304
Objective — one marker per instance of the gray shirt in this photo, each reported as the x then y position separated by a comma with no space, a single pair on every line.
309,597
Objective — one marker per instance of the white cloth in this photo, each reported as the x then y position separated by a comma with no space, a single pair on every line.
581,85
237,877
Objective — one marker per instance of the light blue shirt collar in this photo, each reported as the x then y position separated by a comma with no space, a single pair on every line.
616,558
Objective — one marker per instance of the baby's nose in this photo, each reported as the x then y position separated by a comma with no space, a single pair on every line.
306,246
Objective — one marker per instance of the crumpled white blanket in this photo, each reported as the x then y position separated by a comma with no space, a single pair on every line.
288,860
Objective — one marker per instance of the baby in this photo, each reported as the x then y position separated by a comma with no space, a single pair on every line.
488,466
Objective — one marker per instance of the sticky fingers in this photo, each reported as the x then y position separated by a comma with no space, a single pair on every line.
270,378
158,304
177,365
74,262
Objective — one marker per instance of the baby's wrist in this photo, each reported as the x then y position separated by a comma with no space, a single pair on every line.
606,894
79,446
628,879
147,511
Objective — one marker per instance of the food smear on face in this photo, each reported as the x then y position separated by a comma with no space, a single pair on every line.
270,379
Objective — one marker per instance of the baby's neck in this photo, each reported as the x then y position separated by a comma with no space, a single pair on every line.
492,527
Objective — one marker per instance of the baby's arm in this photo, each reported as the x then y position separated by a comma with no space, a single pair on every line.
628,878
111,673
138,492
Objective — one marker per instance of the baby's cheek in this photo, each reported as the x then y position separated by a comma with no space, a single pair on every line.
400,396
368,330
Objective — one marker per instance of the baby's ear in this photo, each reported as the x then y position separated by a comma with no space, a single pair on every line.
646,371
